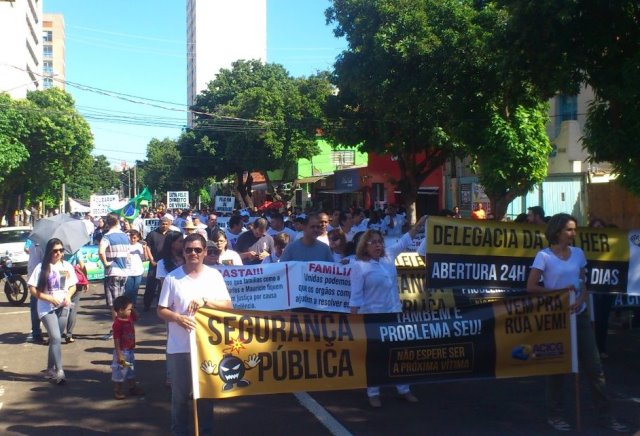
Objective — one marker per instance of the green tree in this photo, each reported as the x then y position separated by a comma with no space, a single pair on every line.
423,81
512,157
93,176
253,117
57,140
160,171
563,44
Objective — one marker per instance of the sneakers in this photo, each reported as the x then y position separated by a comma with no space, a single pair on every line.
614,425
59,378
375,402
409,397
108,336
559,424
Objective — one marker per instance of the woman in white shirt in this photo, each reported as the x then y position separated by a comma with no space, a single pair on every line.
226,257
53,283
562,267
374,286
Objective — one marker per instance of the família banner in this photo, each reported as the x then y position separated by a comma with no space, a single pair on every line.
490,254
250,352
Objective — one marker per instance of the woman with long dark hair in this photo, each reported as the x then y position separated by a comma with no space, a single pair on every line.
172,255
53,283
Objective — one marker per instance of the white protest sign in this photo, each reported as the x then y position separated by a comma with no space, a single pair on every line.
178,199
223,222
285,285
225,204
150,224
99,204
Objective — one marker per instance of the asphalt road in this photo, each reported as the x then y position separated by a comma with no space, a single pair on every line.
30,405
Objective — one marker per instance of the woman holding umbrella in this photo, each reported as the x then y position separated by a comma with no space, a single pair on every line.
53,283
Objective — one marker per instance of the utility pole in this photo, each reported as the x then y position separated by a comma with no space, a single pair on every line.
135,180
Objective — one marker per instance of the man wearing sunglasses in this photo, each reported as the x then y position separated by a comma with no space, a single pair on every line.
185,290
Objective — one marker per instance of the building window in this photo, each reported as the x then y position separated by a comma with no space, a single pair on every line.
378,195
47,68
47,36
47,51
566,110
343,158
47,82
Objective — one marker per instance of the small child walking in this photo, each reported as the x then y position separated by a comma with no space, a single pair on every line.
124,338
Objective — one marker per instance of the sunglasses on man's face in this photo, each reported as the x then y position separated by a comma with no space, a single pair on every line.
196,250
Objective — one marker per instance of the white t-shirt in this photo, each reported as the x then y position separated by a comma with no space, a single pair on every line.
292,233
374,283
61,277
559,273
230,257
136,255
179,290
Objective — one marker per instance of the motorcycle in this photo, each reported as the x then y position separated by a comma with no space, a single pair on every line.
15,287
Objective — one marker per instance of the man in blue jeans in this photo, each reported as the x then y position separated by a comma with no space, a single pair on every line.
35,257
185,290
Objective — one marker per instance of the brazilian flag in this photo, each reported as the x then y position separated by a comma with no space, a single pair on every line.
131,210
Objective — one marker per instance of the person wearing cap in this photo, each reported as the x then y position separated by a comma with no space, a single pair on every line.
245,215
188,228
254,245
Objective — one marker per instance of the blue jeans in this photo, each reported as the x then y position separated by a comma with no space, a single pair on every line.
73,311
179,366
36,331
55,323
131,288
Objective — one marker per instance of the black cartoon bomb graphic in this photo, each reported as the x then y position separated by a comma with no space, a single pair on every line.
231,370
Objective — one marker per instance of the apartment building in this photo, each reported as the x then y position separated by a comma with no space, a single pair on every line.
21,53
53,51
219,33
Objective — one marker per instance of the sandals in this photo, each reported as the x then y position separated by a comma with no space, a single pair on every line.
614,425
119,395
559,424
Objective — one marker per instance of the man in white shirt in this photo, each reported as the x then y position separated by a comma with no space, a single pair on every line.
185,290
393,223
276,226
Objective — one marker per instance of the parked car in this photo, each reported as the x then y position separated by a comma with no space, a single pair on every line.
12,240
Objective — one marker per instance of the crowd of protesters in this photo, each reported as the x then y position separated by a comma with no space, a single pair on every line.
185,242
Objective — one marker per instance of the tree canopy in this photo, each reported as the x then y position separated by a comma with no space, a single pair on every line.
46,141
253,117
564,44
423,80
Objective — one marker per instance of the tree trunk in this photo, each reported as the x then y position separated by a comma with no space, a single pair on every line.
500,204
244,189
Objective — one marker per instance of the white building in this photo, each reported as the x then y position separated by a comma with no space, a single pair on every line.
220,32
21,47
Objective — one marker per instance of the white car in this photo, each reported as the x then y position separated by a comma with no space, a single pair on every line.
12,240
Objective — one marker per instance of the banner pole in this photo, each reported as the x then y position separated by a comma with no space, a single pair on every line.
196,427
578,415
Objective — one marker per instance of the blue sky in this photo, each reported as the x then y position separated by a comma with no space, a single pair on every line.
125,49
